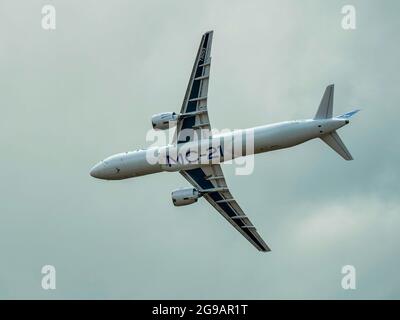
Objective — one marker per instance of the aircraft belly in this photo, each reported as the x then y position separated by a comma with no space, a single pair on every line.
283,136
139,164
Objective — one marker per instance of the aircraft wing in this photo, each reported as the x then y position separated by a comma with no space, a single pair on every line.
210,179
194,114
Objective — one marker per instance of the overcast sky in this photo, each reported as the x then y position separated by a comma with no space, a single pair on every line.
75,95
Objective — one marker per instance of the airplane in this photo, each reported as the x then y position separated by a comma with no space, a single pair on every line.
206,176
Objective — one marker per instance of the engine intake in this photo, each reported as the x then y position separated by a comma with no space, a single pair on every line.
185,196
161,121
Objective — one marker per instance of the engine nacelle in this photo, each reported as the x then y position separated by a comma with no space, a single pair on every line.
161,121
185,196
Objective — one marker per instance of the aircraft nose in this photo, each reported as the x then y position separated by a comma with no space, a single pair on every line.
96,171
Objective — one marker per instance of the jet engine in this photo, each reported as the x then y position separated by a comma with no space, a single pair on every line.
161,121
185,196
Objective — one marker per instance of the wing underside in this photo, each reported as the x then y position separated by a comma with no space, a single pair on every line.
210,180
194,107
194,124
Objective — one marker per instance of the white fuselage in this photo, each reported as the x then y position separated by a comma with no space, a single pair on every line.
194,154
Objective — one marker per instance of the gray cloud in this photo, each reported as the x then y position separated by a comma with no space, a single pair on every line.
88,89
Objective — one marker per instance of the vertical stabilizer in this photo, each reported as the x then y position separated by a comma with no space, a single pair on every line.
326,105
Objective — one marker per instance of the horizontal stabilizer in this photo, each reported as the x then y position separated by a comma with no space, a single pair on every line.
333,140
348,114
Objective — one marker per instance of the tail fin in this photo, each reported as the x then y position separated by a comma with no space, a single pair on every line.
326,105
333,140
